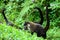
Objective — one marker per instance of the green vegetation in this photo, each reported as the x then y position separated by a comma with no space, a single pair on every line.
20,11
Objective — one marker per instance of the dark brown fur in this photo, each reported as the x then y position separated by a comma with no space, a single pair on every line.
35,27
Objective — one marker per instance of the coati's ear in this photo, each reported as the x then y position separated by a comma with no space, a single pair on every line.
26,23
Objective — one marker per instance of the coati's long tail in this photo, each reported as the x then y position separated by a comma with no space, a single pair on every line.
41,15
4,15
47,17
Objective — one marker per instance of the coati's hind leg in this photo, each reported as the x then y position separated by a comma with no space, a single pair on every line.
43,35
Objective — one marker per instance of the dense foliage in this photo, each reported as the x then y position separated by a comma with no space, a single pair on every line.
19,11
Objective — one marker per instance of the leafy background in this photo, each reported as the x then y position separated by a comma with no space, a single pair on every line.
19,11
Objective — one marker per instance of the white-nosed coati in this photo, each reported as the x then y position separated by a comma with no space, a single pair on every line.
35,27
7,22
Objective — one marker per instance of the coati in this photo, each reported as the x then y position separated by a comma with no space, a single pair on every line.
37,28
7,22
